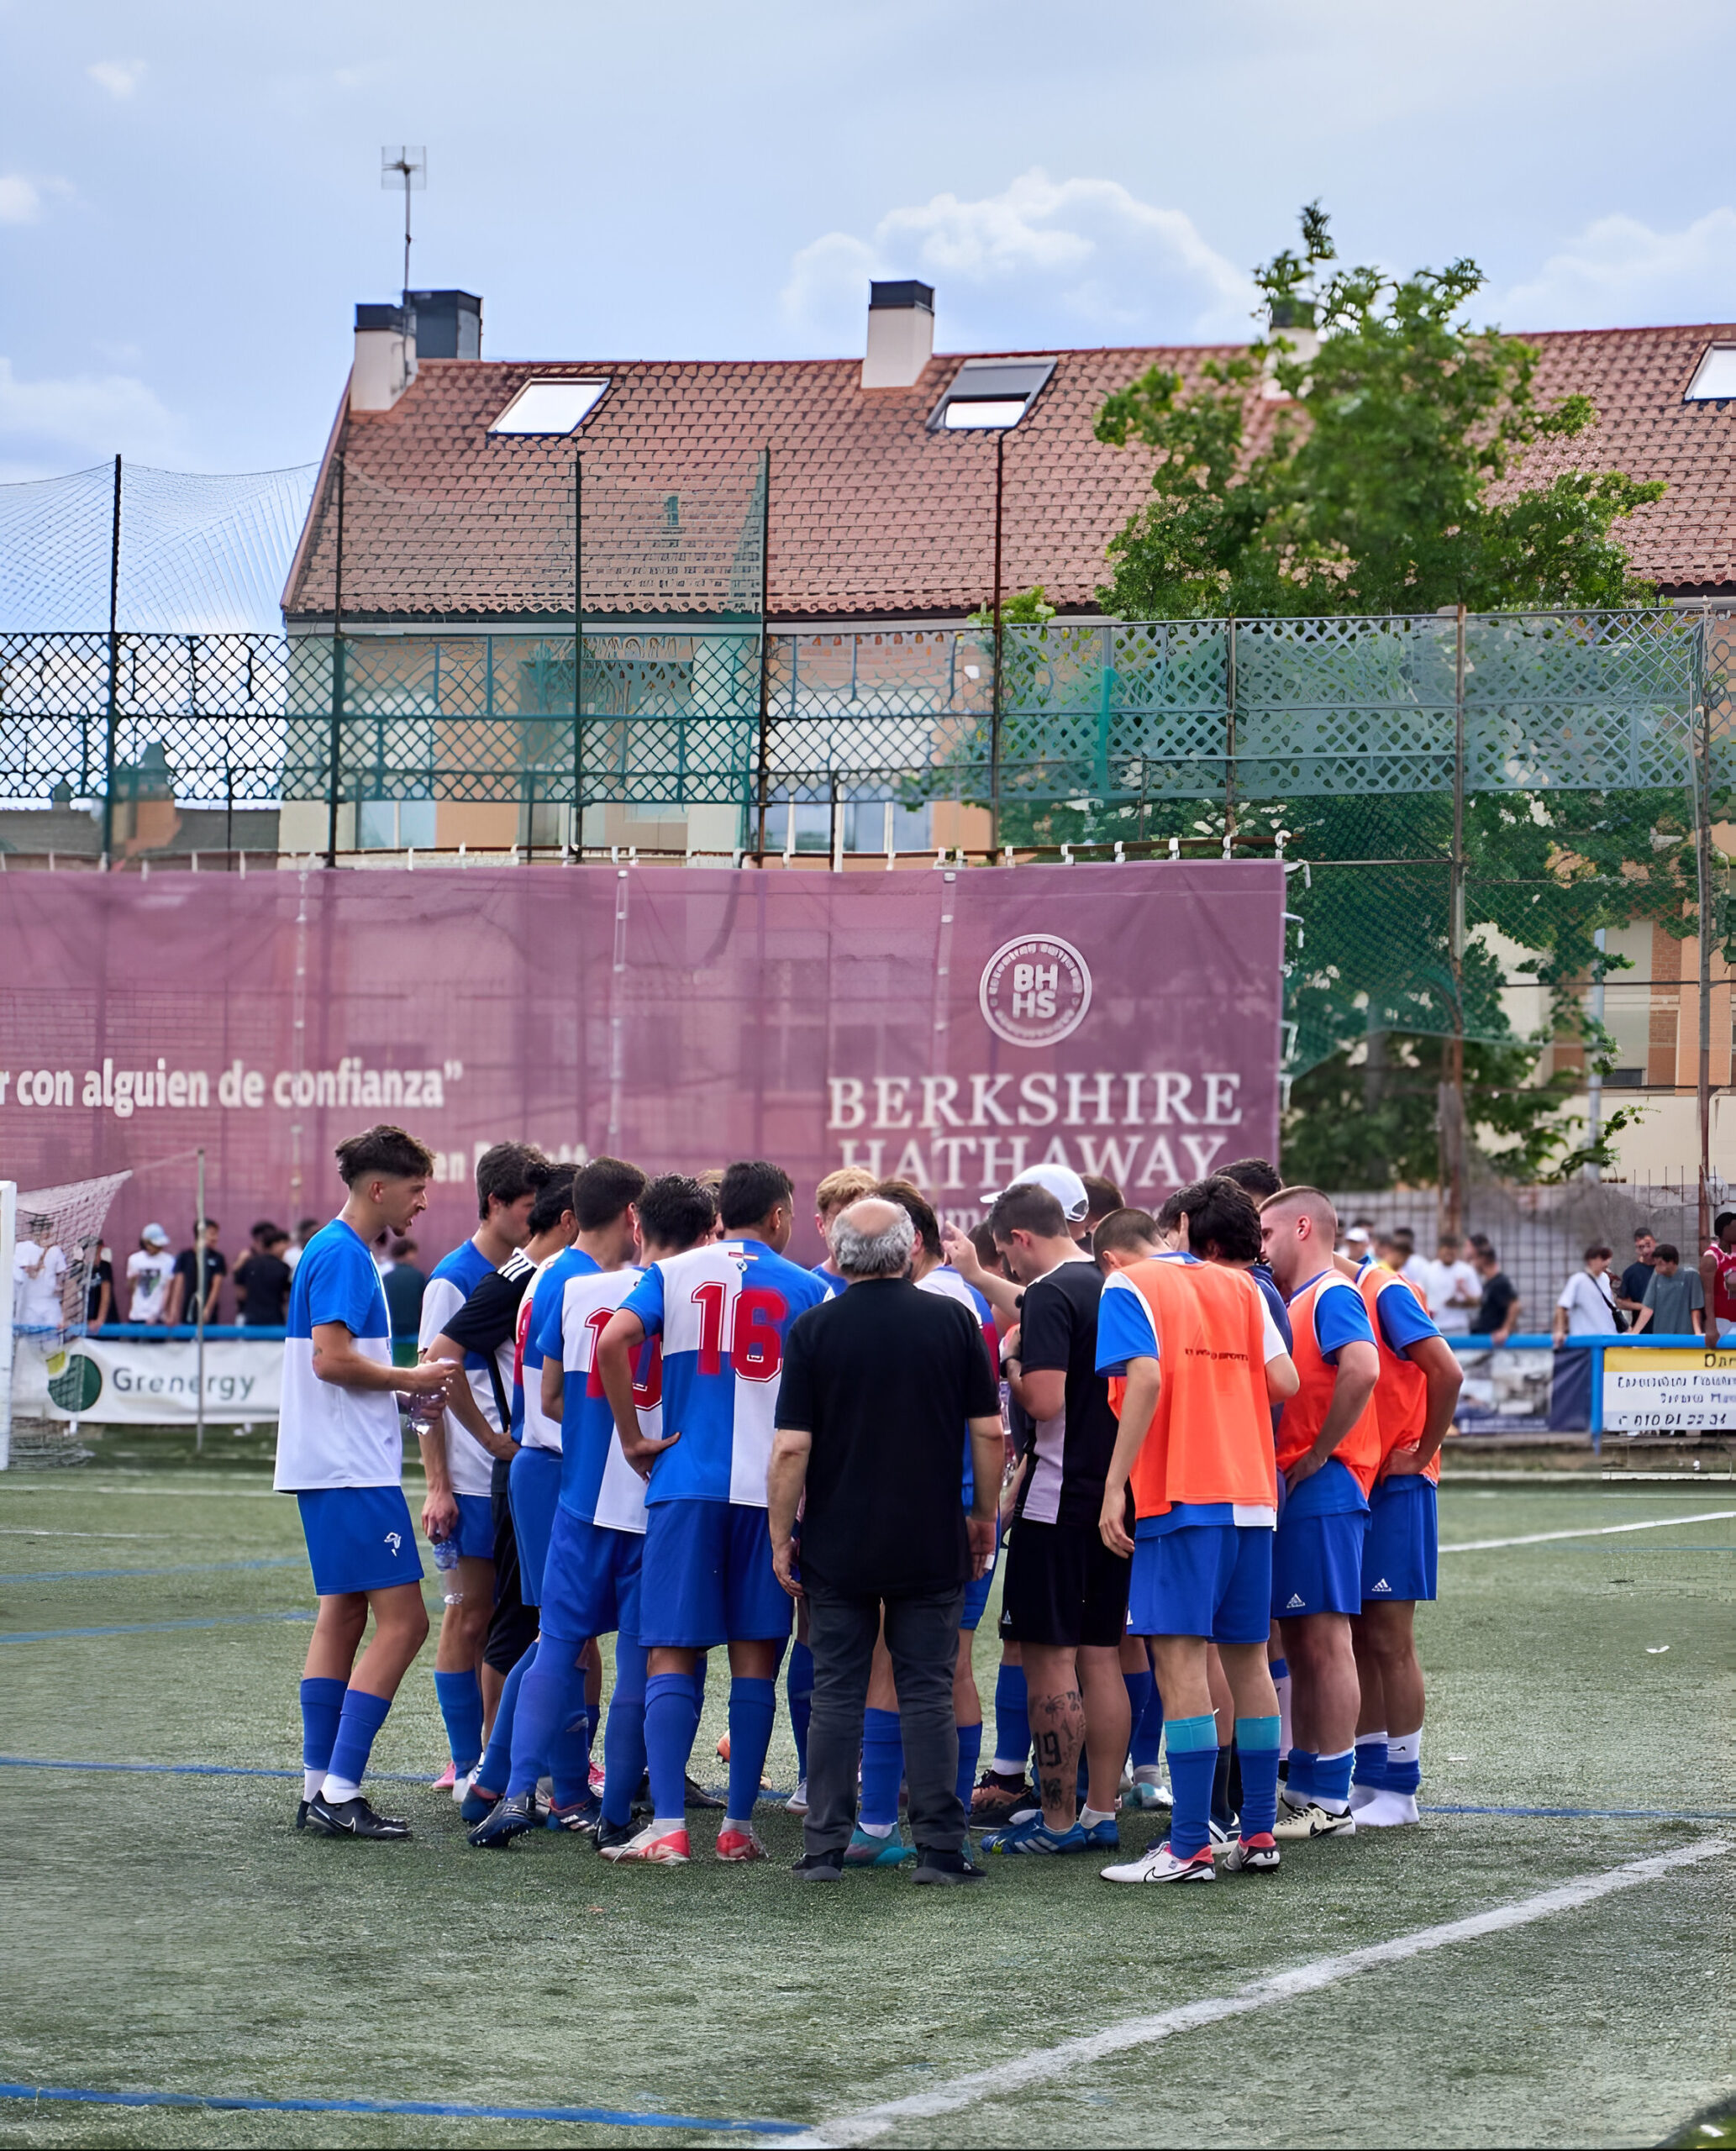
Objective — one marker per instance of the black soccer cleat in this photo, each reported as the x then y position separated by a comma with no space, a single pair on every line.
615,1834
946,1868
506,1819
301,1814
352,1818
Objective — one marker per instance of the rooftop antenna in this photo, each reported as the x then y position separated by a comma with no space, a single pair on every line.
404,164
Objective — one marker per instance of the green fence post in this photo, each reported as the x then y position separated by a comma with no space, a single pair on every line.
335,749
113,675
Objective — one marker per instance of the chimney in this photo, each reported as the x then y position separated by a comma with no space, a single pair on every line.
384,357
448,325
901,335
1293,319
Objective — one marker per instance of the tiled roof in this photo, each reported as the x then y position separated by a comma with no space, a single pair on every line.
872,515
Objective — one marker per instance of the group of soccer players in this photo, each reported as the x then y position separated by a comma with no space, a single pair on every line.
1218,1510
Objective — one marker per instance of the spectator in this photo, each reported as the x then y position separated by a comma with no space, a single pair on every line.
1359,1239
1586,1307
1451,1287
184,1284
1499,1308
1103,1198
1717,1276
876,1381
1674,1302
148,1274
262,1279
298,1240
38,1270
1630,1293
403,1286
99,1291
1411,1266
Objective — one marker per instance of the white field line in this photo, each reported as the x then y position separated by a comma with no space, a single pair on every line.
1043,2062
1593,1530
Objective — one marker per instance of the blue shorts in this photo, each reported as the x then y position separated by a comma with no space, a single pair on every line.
476,1527
977,1590
708,1577
1399,1558
534,1490
1317,1563
1211,1580
590,1579
359,1539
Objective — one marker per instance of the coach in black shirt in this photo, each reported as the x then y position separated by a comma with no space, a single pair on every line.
879,1387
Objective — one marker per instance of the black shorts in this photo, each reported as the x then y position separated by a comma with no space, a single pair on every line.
1063,1587
512,1627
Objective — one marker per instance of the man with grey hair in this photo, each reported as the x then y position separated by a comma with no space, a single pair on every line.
875,1383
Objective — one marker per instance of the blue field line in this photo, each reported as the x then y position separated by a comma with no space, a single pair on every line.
153,1627
225,2102
179,1568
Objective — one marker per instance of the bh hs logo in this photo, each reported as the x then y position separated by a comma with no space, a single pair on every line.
1035,991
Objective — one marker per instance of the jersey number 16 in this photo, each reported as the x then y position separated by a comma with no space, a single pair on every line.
754,1349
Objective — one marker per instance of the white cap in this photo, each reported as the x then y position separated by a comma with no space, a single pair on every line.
156,1235
1063,1183
1358,1234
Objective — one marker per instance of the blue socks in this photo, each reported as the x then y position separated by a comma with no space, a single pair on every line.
363,1715
969,1750
753,1712
1148,1727
1013,1723
1139,1686
1193,1758
883,1768
1404,1762
798,1691
1299,1783
459,1696
551,1697
1332,1780
321,1707
671,1721
570,1759
1257,1748
1370,1768
624,1738
496,1767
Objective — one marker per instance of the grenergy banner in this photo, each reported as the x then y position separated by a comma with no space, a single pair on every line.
950,1027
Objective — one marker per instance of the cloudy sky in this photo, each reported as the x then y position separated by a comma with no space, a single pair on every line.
190,202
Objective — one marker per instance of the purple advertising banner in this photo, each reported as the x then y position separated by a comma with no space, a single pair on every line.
947,1026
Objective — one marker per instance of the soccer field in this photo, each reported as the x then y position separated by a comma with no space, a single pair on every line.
171,1934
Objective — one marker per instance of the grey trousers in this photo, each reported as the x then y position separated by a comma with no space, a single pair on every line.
923,1639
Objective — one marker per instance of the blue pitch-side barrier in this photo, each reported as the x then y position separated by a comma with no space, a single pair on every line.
1597,1346
184,1333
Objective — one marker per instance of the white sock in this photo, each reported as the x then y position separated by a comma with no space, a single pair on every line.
311,1780
731,1823
1004,1769
1148,1774
1282,1686
878,1829
663,1824
337,1789
1089,1817
1405,1748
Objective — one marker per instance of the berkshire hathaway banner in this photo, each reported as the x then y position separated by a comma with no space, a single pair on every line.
947,1026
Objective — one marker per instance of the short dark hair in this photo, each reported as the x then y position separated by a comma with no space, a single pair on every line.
1256,1176
1027,1206
553,1199
276,1236
263,1230
1665,1253
210,1224
752,1189
988,1254
1102,1195
384,1150
400,1248
1169,1213
1598,1248
603,1190
675,1210
917,1208
1643,1233
506,1172
1724,1217
1221,1217
1124,1231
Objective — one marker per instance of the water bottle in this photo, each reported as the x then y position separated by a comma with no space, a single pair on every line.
445,1558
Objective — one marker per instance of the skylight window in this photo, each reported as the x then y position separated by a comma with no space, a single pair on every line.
1715,377
550,407
963,413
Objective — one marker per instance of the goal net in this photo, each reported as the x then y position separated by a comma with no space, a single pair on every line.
50,1245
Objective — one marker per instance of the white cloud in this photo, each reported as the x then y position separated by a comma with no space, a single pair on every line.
20,199
43,422
1619,273
119,77
1082,257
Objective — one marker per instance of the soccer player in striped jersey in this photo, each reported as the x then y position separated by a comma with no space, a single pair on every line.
723,1313
459,1467
1414,1401
1329,1450
340,1452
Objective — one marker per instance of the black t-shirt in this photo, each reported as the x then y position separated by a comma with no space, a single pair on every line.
187,1268
489,1318
883,1377
1499,1294
1067,1458
1635,1279
263,1282
101,1274
403,1288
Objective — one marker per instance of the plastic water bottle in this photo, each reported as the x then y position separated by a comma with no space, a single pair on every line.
446,1558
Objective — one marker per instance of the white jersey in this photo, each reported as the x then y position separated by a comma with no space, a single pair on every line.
454,1279
597,1483
328,1435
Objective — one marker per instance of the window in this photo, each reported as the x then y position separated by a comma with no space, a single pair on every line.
395,824
1714,377
990,395
550,407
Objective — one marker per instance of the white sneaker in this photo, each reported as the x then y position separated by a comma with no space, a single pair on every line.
1388,1810
461,1786
797,1804
1300,1824
1149,1793
1161,1864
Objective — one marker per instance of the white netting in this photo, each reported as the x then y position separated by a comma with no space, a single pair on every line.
57,1249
